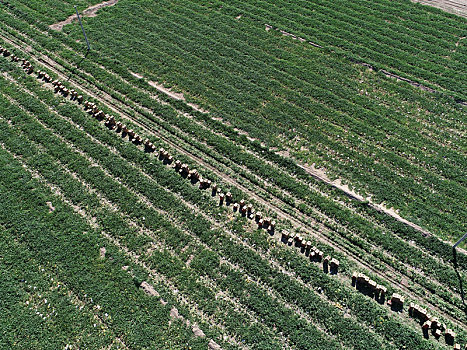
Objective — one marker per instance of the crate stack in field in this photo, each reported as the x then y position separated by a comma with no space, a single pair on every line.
365,284
329,264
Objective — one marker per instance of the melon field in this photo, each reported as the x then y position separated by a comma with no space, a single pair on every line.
239,174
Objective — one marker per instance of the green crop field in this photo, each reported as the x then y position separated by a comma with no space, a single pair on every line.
235,174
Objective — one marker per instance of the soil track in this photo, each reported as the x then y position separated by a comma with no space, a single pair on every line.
458,7
89,12
320,175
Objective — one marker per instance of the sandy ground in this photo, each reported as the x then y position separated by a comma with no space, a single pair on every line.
89,12
457,7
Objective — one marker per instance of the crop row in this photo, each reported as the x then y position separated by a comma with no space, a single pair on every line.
150,216
325,28
146,215
383,173
57,242
414,208
127,236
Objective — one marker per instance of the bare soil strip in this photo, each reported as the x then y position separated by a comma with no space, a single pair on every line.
175,95
293,36
89,12
413,83
321,175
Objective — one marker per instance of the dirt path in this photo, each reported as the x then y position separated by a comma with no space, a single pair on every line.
458,7
89,12
321,175
175,95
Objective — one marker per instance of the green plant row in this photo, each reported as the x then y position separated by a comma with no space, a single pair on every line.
418,207
341,40
383,173
229,248
160,260
63,243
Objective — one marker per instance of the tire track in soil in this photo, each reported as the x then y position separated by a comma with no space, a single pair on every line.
107,101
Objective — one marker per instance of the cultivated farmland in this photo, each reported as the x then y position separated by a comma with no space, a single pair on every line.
232,174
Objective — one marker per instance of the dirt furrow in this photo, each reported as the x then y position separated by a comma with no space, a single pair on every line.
89,12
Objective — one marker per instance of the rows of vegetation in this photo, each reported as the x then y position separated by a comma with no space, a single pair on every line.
226,147
248,83
434,179
58,291
214,249
89,149
441,274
